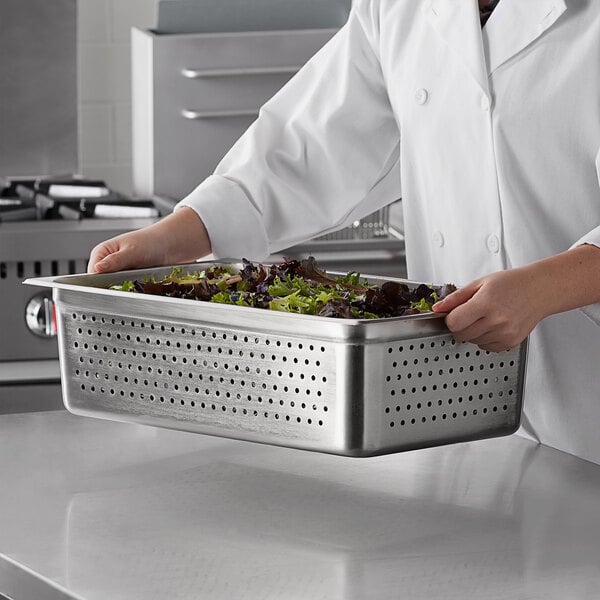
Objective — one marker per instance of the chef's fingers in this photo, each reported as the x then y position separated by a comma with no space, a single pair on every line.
455,299
465,315
483,334
472,322
475,330
493,346
126,251
117,261
99,254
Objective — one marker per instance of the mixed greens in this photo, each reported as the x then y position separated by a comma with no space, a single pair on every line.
296,286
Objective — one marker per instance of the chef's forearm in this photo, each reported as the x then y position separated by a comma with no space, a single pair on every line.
568,280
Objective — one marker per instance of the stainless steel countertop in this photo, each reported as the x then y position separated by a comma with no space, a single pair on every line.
100,510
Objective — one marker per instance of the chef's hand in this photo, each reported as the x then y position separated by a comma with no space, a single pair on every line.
496,312
178,238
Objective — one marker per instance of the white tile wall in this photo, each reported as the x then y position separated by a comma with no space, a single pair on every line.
103,45
95,133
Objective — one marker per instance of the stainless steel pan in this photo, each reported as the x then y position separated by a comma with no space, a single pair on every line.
350,387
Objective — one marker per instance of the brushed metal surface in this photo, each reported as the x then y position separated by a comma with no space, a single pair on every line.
114,511
349,387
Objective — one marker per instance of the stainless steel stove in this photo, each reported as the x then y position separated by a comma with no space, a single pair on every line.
49,221
43,234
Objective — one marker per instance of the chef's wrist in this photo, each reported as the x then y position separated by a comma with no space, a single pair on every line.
183,237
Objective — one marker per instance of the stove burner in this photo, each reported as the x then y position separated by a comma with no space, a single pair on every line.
17,209
67,197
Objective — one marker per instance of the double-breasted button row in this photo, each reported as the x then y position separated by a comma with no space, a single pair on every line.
422,96
492,242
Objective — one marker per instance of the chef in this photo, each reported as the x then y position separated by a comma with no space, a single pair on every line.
490,134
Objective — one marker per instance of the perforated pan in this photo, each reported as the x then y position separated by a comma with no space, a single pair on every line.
342,386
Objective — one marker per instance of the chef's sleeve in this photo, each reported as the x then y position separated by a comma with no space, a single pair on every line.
593,238
323,152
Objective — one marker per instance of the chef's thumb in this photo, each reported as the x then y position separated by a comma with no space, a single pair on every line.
102,266
455,299
111,263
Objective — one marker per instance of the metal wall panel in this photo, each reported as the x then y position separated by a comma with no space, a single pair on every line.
38,101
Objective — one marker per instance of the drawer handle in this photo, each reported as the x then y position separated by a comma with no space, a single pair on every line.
195,115
208,73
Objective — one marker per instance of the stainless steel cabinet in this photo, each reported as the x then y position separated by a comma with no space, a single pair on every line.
195,94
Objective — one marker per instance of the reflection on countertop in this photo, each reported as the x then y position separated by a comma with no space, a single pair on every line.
125,511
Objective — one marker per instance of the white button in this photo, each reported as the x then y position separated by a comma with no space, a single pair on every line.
485,103
437,238
421,96
493,244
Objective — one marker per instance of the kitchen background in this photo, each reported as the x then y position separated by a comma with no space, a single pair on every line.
94,509
105,64
143,97
104,84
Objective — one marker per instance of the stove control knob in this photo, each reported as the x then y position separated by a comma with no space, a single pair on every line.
40,316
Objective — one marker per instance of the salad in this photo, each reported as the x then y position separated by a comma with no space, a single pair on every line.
295,286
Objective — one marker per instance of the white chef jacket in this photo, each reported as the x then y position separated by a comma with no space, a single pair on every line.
491,138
